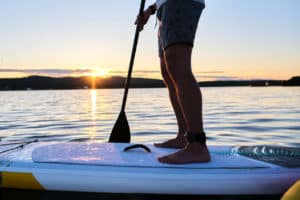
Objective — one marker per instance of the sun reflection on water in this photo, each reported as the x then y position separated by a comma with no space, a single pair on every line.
93,103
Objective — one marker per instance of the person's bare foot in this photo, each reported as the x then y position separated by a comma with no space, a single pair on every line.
176,143
192,153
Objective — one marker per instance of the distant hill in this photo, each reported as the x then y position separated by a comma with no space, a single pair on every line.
294,81
85,82
41,83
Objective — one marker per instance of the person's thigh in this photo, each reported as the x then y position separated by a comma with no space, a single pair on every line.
178,59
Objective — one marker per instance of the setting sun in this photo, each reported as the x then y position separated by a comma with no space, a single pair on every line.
100,73
95,74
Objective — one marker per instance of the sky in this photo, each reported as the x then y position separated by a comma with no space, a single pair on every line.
236,39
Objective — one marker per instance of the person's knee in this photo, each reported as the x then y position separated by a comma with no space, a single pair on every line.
170,55
180,77
179,74
171,64
167,80
164,72
178,62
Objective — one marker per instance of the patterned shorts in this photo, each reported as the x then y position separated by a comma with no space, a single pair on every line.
178,21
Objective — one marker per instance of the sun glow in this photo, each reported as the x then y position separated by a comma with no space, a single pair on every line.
102,73
96,75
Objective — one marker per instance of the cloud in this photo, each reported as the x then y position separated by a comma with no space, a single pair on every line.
217,78
210,72
52,72
200,75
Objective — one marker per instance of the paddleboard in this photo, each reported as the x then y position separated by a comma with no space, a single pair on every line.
107,168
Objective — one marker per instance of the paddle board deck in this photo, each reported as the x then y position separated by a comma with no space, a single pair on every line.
105,167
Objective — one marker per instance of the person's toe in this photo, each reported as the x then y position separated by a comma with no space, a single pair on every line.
157,144
163,159
167,160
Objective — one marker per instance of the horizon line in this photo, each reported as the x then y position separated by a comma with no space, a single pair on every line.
120,76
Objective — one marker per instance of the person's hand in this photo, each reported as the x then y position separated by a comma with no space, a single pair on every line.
142,20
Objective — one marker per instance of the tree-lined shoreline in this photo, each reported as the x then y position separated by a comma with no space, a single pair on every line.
86,82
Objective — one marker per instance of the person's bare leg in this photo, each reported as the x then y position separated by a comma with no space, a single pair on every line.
178,60
179,141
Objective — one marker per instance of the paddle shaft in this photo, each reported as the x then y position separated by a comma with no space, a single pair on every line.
135,42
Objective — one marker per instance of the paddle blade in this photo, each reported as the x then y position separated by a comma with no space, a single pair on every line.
121,131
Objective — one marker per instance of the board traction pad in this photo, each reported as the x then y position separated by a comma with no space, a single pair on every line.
112,154
283,156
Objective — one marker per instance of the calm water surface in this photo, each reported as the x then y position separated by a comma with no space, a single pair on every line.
232,115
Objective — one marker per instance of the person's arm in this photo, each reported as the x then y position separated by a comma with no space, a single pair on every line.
142,20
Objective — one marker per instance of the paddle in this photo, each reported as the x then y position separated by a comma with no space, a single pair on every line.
121,131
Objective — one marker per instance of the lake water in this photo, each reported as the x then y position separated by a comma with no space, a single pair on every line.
232,115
